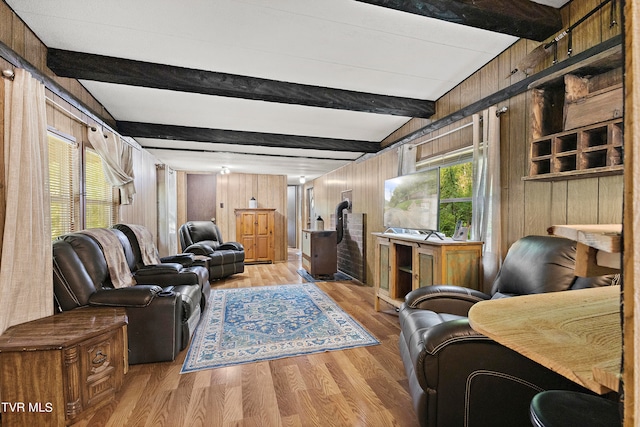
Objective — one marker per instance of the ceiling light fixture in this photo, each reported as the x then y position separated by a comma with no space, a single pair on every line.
302,180
225,170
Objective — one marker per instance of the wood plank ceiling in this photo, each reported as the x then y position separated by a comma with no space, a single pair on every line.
295,87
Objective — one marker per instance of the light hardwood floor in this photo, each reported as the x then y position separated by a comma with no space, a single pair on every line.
365,386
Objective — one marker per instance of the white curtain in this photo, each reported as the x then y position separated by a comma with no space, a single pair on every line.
26,272
117,160
406,159
487,224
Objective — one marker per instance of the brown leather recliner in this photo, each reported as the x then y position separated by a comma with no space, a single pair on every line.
162,318
179,269
204,238
458,377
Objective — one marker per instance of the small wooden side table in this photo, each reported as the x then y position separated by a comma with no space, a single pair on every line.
56,370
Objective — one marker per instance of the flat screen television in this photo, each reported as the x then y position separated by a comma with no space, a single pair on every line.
411,201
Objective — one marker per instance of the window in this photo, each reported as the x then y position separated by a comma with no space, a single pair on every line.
68,200
456,189
62,167
100,206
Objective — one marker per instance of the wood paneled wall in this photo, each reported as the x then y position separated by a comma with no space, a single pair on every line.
528,207
234,191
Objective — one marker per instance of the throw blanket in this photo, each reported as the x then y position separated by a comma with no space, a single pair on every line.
145,241
119,271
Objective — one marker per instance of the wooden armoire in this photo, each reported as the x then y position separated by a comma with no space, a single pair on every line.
255,229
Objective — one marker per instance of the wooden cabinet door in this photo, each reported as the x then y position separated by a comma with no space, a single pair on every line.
245,231
255,230
263,236
426,269
382,276
384,267
461,267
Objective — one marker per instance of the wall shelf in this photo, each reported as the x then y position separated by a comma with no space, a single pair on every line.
591,150
577,121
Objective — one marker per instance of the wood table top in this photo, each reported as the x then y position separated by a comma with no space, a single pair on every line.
577,333
62,330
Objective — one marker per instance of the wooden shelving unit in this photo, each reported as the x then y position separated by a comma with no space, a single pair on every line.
595,149
577,121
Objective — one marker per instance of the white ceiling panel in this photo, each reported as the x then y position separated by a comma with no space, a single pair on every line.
189,109
341,44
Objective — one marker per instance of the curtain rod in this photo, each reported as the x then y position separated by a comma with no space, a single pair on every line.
444,134
15,59
93,126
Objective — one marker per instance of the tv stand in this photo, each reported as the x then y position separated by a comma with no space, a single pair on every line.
405,263
429,233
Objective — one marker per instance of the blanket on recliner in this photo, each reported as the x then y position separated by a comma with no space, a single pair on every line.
148,249
119,270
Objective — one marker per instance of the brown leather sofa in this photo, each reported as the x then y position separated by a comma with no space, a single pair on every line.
176,269
204,238
162,315
458,377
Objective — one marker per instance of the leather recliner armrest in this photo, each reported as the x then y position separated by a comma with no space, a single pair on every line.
199,249
445,299
446,333
134,296
236,246
438,338
186,260
165,268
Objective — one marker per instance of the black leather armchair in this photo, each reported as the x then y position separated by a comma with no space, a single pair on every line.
204,238
458,377
161,318
179,269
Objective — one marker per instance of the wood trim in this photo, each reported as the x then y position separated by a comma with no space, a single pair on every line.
631,249
101,68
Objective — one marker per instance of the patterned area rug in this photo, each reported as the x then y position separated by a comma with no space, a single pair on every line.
264,323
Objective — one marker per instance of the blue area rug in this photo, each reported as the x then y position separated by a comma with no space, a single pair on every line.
264,323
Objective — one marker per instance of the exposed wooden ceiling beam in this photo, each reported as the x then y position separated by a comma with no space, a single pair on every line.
86,66
520,18
234,153
222,136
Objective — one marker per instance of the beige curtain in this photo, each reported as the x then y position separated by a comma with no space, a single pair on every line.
487,222
117,160
26,273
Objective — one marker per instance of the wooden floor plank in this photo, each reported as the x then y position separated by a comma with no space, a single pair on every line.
365,386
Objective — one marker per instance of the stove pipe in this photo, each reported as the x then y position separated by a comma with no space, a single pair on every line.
345,204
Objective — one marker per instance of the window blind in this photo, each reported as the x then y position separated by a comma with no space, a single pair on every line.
100,203
62,167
